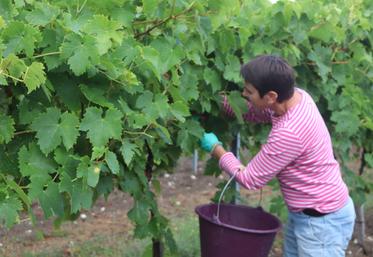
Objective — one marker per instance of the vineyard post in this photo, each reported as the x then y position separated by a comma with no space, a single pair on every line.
235,149
195,161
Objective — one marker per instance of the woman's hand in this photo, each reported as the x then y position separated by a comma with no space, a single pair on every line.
209,141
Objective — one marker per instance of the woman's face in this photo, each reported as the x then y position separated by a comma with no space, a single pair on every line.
251,94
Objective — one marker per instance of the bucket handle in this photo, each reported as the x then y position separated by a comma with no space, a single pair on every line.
216,217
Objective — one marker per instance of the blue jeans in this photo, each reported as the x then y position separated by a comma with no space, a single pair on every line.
325,236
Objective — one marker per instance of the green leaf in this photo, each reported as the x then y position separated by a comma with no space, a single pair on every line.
138,120
369,159
93,175
19,37
131,184
3,81
189,87
2,23
180,110
346,122
128,151
232,69
321,56
101,129
82,53
189,135
144,99
35,165
6,128
238,105
139,212
112,161
212,78
43,14
81,197
159,108
150,6
96,95
69,129
21,194
13,65
51,201
163,132
152,56
105,32
50,132
89,171
170,54
98,152
68,92
322,31
9,209
47,129
34,76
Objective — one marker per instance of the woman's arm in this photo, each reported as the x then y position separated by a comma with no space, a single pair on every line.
282,148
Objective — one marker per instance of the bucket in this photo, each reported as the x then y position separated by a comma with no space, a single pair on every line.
239,231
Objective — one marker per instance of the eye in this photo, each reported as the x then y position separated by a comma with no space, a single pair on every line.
248,91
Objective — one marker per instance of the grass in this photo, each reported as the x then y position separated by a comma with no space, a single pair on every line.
186,233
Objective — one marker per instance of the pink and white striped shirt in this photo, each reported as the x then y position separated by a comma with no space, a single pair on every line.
299,153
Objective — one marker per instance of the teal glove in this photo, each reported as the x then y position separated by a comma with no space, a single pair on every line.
209,141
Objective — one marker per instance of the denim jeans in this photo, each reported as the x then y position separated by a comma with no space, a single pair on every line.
326,236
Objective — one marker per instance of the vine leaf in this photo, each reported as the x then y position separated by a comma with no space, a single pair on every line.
238,104
6,128
51,128
139,213
101,129
82,53
20,37
128,151
9,209
112,161
35,165
34,76
105,32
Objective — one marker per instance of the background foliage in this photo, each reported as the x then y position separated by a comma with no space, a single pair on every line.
97,95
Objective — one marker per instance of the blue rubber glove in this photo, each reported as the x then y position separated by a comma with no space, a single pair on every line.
209,141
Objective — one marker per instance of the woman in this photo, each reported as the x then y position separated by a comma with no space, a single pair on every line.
299,153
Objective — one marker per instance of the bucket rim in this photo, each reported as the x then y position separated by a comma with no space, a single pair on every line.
261,231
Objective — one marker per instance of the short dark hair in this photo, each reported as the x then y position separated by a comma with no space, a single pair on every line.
270,73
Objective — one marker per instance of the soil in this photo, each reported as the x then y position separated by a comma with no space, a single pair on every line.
181,192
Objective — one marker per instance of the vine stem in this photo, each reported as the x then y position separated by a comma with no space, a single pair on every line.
79,9
23,132
46,54
115,80
171,17
12,77
335,62
140,133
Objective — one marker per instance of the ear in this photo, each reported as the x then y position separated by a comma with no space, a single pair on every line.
271,97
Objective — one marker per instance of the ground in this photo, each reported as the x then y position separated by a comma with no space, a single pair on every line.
181,192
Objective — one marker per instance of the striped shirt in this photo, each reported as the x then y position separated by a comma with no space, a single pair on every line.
299,153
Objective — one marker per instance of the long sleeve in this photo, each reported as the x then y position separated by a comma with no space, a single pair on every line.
282,148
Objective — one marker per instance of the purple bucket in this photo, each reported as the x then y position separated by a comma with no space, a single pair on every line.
241,231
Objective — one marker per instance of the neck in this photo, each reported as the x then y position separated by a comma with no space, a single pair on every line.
281,108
